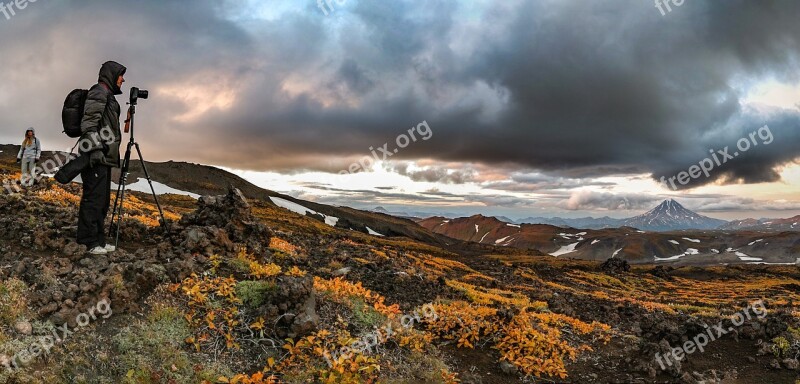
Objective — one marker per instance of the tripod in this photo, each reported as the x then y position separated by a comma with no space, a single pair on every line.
123,178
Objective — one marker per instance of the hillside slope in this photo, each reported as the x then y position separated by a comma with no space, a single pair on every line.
207,180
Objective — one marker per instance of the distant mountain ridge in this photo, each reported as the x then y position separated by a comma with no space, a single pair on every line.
768,225
583,222
667,216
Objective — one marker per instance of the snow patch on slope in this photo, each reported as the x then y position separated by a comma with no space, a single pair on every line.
372,232
142,186
565,250
690,251
297,208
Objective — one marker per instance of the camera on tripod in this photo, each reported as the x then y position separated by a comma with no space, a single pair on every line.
137,94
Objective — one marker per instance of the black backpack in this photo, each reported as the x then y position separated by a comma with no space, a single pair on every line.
72,113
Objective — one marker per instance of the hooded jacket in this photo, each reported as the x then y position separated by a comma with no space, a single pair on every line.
100,128
33,151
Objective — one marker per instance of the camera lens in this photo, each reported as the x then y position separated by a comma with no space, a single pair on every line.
137,94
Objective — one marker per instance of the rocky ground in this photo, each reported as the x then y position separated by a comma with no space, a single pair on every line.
238,290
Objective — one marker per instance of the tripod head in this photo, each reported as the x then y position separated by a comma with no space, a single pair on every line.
136,94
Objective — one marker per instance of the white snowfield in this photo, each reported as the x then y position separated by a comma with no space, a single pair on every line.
675,242
513,225
745,257
690,251
372,232
161,189
692,240
565,250
505,242
297,208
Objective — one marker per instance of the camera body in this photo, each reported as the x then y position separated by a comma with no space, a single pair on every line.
137,94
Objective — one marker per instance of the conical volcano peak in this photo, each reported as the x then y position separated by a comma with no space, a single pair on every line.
671,215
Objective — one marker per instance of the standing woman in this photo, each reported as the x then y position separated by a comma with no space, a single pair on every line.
28,155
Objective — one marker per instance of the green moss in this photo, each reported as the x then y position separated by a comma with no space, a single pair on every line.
254,293
365,316
781,347
239,265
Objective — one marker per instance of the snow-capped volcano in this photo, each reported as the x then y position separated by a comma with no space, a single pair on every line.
670,215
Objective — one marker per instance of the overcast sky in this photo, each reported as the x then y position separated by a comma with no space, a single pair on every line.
535,108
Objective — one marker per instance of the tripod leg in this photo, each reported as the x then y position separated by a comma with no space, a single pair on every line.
114,210
152,189
120,198
119,216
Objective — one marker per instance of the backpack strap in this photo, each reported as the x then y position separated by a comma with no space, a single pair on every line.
108,101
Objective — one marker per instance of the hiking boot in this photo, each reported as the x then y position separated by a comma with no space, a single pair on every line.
98,251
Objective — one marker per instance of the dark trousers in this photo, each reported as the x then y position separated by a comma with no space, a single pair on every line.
95,204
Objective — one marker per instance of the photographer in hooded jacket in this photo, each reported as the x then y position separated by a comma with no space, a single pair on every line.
101,112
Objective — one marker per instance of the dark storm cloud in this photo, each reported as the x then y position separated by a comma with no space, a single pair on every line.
747,152
573,88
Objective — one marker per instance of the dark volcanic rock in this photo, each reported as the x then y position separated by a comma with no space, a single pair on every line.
615,265
221,220
293,305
